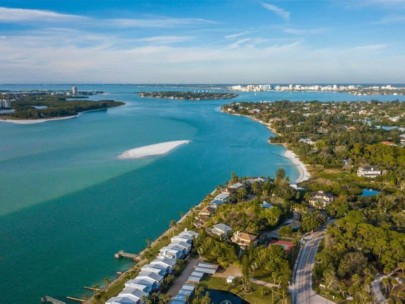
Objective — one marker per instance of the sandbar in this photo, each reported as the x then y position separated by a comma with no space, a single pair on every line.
36,121
152,150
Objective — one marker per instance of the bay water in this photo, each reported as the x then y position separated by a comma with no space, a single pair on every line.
67,204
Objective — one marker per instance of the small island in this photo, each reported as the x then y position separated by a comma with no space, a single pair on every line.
46,106
197,96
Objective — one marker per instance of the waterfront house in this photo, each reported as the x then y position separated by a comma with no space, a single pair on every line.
123,300
220,199
186,247
172,251
143,281
188,234
235,187
321,199
221,230
369,171
255,180
206,211
203,216
134,294
244,239
146,287
150,275
153,268
163,263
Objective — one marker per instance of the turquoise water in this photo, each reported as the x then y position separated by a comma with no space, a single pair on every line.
67,204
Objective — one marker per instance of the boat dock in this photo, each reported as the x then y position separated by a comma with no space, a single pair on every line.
48,299
123,254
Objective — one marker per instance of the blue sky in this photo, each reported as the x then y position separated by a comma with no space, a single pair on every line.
202,41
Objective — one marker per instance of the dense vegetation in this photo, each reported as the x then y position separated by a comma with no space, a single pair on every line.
32,106
337,138
188,95
338,135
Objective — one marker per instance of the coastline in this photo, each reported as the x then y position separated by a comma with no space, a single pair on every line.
303,173
42,120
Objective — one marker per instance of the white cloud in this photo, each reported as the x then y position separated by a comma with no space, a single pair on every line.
370,47
165,39
161,22
29,15
391,19
277,10
237,35
303,31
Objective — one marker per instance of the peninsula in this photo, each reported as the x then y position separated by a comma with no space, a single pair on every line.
196,96
43,106
349,148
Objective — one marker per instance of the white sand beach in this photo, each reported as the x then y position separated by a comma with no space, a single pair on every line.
152,150
303,172
36,121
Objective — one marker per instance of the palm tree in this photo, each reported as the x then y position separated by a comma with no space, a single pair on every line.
173,225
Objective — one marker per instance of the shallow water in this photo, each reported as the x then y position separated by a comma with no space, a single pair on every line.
67,204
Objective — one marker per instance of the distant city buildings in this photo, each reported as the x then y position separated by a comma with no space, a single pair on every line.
5,104
352,89
74,91
251,88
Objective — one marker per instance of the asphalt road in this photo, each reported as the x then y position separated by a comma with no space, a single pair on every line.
301,287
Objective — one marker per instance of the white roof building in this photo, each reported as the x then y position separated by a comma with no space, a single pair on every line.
122,300
221,229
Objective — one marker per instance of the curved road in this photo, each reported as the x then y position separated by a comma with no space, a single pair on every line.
301,288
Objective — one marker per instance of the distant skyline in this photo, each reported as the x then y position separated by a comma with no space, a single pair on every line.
202,41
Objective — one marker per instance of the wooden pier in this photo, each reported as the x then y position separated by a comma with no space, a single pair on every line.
48,299
92,288
123,254
76,299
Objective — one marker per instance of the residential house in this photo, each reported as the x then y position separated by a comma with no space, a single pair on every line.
164,263
307,141
244,239
155,269
123,300
235,187
220,199
149,284
369,171
221,230
321,199
203,216
144,286
144,274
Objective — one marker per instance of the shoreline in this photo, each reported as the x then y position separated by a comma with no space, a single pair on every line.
303,173
42,120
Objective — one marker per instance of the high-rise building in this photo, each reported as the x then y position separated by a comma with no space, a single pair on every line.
74,90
